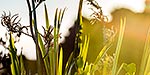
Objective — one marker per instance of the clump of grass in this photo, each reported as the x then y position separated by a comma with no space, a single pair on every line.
106,64
14,29
51,57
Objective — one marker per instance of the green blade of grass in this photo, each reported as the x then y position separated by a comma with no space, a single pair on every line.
68,64
102,52
147,68
146,53
46,18
53,57
80,12
84,50
60,62
62,15
87,69
120,68
43,52
22,69
59,19
118,48
41,46
56,18
100,55
105,66
15,62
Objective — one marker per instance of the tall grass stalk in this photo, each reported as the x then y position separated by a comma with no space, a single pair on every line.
147,68
144,67
13,53
60,62
119,43
43,52
38,51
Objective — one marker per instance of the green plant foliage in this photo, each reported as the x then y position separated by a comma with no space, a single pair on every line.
46,17
48,52
87,69
13,53
80,63
60,62
122,65
118,48
68,64
144,67
103,52
130,69
43,52
103,66
78,60
84,50
147,69
23,71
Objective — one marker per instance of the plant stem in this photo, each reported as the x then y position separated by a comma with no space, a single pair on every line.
146,53
34,36
38,54
118,48
30,19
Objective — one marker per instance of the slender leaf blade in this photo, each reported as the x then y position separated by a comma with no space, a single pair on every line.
85,49
43,52
14,65
118,48
60,61
146,53
46,18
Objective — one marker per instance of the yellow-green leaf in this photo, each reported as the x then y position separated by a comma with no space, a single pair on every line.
60,61
46,18
43,51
